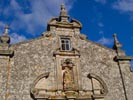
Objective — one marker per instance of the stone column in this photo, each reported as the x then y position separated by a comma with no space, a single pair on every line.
123,62
5,66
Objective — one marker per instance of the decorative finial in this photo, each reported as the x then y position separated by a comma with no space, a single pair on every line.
62,7
117,44
115,38
5,39
6,30
63,14
63,11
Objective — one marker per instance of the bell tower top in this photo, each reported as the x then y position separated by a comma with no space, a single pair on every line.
63,14
62,21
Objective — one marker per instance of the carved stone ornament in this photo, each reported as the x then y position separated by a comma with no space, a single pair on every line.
68,75
36,92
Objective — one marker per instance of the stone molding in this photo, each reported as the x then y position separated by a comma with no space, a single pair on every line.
6,52
104,86
73,52
123,58
33,91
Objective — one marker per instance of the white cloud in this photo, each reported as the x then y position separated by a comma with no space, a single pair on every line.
125,6
131,16
105,41
101,1
1,27
40,11
15,38
100,24
101,32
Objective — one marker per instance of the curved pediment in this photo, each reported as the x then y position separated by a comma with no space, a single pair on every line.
53,20
98,82
40,85
76,23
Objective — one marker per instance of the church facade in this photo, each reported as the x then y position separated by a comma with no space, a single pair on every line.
63,64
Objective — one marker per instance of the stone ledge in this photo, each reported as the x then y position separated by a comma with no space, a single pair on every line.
6,52
123,58
98,96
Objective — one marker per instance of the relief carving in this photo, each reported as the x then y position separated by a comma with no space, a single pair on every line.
68,78
68,75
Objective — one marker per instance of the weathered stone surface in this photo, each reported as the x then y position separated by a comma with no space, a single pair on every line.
36,69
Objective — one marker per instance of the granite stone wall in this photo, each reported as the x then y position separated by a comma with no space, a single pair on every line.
35,57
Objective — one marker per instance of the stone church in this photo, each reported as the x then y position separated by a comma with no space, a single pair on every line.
63,64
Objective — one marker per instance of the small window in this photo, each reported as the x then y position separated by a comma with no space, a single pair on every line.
65,44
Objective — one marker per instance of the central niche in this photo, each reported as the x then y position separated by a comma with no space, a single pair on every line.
68,75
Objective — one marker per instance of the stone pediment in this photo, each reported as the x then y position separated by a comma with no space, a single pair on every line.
76,23
73,52
63,21
72,24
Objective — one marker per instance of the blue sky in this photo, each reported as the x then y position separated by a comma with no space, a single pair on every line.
100,19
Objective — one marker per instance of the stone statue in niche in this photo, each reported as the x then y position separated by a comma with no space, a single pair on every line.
68,77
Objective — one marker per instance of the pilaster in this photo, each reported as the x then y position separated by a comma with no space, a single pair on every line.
5,66
124,65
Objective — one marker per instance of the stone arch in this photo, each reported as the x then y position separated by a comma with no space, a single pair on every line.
39,86
104,89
